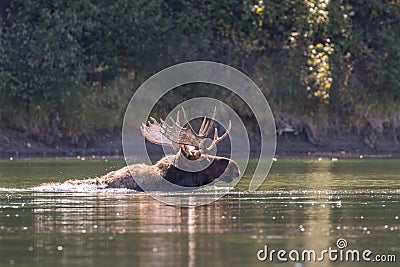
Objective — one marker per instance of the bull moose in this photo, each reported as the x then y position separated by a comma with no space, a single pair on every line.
191,166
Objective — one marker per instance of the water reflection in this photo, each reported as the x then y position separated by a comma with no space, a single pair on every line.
302,205
158,231
105,229
321,174
78,213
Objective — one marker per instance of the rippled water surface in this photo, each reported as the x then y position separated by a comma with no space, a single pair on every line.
303,205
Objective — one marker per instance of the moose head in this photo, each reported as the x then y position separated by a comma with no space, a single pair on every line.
192,165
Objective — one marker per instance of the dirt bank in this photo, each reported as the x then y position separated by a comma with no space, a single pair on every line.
17,145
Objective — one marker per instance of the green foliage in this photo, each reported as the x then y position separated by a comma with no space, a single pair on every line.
53,48
55,55
62,62
42,59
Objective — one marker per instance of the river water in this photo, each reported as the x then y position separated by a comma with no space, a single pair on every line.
339,210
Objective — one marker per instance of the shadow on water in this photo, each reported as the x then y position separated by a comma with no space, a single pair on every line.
303,205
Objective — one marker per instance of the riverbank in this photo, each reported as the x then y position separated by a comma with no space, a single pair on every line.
17,145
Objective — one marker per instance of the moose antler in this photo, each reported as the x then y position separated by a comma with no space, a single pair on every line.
153,133
184,135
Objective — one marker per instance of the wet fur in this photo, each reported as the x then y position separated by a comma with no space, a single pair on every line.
152,176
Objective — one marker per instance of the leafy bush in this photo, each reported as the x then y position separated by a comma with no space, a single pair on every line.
318,58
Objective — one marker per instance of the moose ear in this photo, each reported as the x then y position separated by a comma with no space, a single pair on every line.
185,151
198,154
